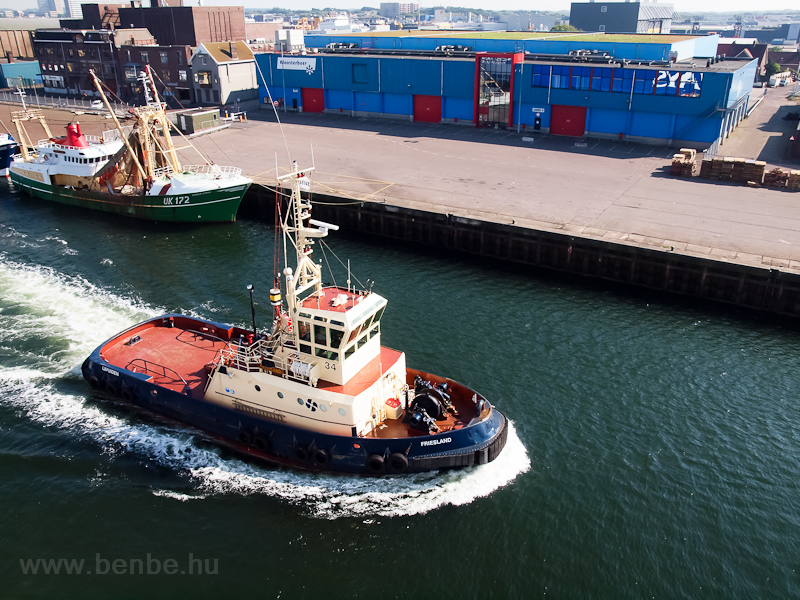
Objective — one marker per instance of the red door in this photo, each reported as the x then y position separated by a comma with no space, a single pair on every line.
313,100
428,109
568,120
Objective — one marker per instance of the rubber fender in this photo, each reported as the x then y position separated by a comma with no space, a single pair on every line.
245,436
301,453
398,463
261,443
321,458
111,387
376,464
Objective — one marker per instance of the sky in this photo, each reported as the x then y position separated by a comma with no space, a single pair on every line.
693,6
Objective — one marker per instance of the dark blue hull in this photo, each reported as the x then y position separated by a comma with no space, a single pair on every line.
7,152
475,444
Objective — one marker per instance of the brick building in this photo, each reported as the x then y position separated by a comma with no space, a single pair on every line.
187,25
170,65
67,55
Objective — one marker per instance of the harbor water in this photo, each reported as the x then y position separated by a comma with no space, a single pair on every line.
653,450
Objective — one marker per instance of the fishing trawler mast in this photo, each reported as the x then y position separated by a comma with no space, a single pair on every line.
131,171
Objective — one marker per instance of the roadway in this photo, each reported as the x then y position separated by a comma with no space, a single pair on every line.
615,191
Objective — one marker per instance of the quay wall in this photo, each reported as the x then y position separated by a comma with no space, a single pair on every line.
761,289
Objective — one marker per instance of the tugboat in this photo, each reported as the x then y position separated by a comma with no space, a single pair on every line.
134,172
317,391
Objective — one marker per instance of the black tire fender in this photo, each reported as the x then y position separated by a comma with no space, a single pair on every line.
110,386
128,394
245,436
376,464
321,458
261,443
398,463
301,453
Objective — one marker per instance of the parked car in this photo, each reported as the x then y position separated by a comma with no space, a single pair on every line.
97,105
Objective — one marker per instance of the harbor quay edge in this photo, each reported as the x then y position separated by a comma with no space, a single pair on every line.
764,289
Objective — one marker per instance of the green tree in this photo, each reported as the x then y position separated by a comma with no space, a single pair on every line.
773,68
564,28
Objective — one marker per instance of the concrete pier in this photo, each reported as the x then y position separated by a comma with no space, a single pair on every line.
631,262
602,209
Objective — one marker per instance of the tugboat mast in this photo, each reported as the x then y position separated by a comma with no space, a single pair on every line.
296,229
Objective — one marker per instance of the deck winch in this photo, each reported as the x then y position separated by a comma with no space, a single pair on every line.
431,403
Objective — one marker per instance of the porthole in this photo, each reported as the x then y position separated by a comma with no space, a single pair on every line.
258,388
300,401
280,394
342,412
323,408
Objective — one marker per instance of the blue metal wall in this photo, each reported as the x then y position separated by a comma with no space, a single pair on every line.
386,85
705,46
29,71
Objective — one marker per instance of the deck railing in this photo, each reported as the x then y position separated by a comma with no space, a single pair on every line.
146,368
210,171
48,143
260,357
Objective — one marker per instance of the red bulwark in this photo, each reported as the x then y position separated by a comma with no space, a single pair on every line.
313,100
568,120
428,109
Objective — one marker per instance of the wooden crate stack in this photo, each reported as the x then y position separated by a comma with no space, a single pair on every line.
753,171
776,178
683,163
733,169
794,180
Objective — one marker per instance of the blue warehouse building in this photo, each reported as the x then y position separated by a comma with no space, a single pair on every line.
669,90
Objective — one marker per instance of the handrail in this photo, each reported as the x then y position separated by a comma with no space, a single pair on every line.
208,335
146,369
211,171
250,359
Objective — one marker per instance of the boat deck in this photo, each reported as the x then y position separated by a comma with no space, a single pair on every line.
174,357
460,396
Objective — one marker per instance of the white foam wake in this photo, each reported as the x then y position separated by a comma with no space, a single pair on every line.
334,496
52,321
82,316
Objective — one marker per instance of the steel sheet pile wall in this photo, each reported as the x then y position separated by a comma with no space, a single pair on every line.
762,289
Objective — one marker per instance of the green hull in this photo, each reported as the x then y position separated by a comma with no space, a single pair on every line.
214,206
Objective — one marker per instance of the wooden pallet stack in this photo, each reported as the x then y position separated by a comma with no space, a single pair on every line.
753,171
793,182
683,163
733,169
776,178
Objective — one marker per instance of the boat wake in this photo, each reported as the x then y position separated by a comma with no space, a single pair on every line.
32,381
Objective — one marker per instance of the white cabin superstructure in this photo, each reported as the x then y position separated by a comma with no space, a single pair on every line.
323,367
58,160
